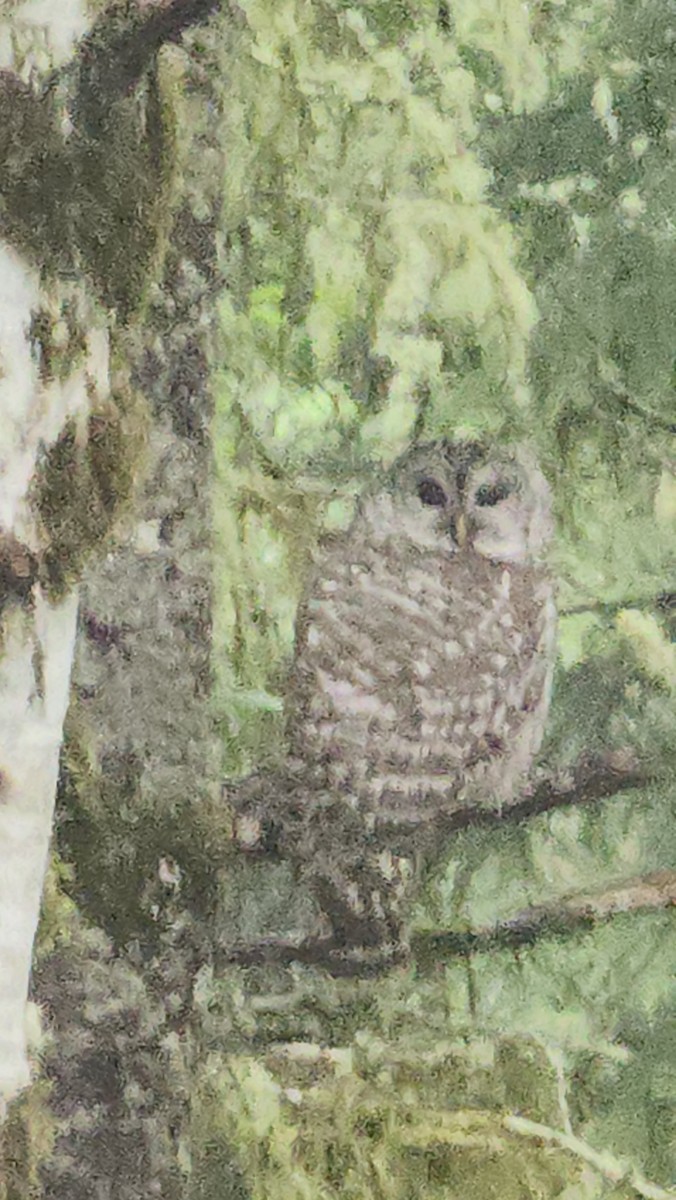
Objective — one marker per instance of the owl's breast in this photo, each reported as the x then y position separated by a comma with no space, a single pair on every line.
416,675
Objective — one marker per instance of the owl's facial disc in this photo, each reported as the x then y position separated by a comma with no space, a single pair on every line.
508,508
452,498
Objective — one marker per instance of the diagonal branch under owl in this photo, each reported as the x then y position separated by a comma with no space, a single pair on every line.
570,915
664,602
567,917
420,684
272,820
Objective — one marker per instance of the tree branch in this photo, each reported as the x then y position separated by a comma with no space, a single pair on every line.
649,893
665,602
591,779
324,952
584,910
651,419
615,1170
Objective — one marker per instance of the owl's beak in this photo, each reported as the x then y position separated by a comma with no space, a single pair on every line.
460,530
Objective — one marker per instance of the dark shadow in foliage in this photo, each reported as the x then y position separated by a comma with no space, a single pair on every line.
611,1097
120,1102
36,179
77,492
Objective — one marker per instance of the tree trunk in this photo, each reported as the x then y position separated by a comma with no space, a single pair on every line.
81,202
38,629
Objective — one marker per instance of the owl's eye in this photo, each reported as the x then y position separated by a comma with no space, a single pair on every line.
490,494
430,492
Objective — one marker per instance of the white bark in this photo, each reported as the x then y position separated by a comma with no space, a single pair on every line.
36,642
40,33
30,738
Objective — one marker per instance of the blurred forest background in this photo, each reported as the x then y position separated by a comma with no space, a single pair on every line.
388,221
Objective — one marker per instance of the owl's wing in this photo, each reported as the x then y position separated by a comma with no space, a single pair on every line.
418,676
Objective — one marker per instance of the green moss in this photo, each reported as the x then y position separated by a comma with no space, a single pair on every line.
82,486
27,1138
122,193
58,338
36,179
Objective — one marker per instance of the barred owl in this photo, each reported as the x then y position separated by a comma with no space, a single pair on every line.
421,678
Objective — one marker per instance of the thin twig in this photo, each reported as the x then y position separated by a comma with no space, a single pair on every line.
652,419
568,915
590,780
555,1057
610,608
615,1170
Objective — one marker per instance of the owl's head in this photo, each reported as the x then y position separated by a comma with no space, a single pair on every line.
464,498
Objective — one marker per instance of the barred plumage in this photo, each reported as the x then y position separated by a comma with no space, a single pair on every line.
422,674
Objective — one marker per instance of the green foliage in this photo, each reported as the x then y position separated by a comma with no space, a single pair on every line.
407,186
375,1121
330,1089
358,231
382,165
371,287
588,179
